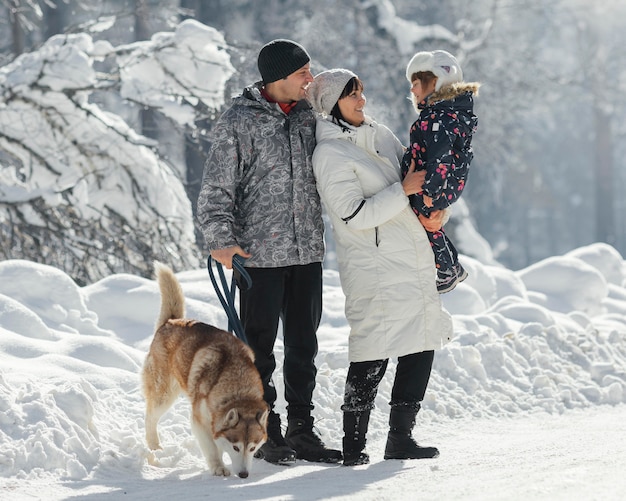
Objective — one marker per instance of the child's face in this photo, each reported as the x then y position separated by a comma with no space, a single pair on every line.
420,91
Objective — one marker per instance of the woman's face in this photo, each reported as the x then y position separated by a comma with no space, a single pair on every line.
351,107
420,92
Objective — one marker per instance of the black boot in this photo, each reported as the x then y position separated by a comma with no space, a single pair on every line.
400,442
276,450
303,439
355,430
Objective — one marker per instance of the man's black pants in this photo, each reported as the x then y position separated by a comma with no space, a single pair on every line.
292,294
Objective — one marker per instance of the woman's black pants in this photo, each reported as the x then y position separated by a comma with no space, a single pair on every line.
409,385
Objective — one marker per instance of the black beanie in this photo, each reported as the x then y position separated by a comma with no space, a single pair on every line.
280,58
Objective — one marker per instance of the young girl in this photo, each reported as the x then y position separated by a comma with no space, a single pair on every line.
440,143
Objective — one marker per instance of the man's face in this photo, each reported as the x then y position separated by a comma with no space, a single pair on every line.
293,87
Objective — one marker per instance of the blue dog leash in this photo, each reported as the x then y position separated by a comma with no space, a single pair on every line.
240,278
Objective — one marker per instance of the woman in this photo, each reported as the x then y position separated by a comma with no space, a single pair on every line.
385,264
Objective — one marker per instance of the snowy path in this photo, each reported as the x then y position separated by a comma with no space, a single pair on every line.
578,455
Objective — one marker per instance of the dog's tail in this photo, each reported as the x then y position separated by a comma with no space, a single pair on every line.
172,298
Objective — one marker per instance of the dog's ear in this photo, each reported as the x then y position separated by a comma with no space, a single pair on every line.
231,419
261,417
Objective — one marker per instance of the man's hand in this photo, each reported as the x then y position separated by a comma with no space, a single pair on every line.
434,222
225,256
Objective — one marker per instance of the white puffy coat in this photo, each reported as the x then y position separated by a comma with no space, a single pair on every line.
386,265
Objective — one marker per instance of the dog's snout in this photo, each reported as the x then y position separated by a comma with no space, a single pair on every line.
243,474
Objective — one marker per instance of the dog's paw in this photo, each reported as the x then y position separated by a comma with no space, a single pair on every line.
152,440
221,471
151,458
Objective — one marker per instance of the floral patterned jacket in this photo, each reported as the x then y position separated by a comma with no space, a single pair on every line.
441,144
258,188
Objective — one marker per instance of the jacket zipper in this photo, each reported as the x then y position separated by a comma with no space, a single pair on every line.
346,219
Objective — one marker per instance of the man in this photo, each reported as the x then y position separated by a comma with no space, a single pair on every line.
259,200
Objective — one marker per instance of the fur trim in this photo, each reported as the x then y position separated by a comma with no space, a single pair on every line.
451,91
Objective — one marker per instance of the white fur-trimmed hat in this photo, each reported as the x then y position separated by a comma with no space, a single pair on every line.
325,90
443,64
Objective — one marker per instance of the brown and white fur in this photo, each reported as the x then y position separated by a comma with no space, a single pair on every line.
216,371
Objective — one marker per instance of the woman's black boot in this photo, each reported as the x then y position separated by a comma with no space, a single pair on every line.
400,442
355,430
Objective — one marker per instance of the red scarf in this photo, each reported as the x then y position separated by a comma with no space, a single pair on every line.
286,107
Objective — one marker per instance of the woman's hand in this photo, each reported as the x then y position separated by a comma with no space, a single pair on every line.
413,181
434,222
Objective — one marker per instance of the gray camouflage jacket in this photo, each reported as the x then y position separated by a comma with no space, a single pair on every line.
258,189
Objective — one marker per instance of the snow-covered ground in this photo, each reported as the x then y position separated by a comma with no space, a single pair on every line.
527,402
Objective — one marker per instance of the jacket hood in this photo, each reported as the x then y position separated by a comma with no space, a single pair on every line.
251,96
372,138
453,91
364,136
327,129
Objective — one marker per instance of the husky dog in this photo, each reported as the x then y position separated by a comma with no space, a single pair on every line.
216,371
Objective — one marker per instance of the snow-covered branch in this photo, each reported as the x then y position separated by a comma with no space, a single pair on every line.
79,188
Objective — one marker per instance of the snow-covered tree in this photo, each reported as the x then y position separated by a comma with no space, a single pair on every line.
79,188
550,125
